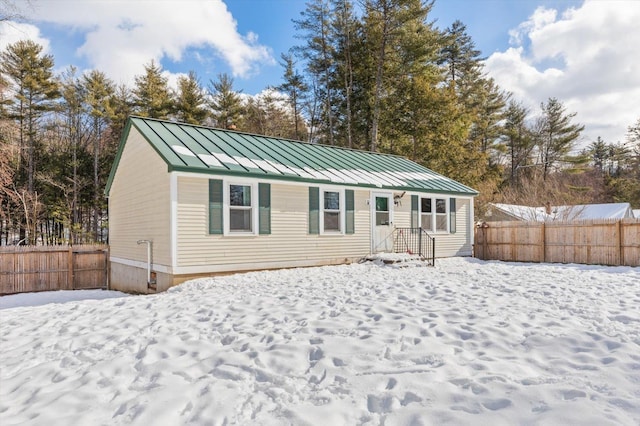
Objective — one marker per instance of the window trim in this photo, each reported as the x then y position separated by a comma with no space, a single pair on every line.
388,211
341,210
226,190
434,215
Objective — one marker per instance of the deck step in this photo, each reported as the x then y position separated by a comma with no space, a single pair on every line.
396,259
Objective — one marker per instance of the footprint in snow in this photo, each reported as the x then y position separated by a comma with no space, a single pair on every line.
380,404
496,404
337,362
573,394
316,354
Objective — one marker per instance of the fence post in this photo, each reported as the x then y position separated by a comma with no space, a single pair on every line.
70,269
543,243
512,244
619,230
485,255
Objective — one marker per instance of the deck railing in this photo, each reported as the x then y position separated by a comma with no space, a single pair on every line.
415,241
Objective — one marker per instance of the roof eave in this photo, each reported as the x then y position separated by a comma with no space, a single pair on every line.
289,178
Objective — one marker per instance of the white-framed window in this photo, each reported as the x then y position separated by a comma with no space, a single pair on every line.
332,214
434,214
241,208
382,211
441,215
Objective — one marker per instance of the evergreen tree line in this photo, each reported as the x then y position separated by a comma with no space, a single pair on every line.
59,135
379,75
374,75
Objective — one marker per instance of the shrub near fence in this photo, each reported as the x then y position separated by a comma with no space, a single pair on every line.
593,242
43,268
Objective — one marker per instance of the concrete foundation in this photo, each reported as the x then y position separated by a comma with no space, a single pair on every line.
133,279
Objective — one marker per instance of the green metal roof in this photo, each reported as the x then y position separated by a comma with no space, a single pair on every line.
190,148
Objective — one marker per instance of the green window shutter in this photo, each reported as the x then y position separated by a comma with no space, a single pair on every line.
414,211
452,215
264,206
350,214
314,210
215,206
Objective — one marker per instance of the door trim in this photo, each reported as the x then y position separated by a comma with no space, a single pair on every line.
372,215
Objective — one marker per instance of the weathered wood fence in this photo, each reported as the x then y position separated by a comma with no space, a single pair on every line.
43,268
592,242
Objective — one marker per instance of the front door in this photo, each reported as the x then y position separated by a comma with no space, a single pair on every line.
381,222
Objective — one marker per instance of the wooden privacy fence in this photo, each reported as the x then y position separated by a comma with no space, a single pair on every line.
592,242
43,268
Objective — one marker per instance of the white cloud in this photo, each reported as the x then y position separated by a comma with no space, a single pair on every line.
587,58
121,36
11,32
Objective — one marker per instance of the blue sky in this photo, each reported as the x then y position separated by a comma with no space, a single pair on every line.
582,52
488,23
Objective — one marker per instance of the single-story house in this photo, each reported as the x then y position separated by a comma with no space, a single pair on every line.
188,201
512,212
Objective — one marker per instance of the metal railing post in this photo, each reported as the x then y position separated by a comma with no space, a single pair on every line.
433,252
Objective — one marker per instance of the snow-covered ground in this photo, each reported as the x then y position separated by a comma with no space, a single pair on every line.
467,342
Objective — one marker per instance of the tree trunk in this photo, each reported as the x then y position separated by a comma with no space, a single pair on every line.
379,74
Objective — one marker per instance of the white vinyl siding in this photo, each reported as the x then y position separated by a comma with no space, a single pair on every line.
139,204
289,240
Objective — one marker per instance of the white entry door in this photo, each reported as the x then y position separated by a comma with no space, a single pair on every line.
381,222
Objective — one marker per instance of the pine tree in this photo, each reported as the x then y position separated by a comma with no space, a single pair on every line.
633,141
30,76
460,57
318,52
190,104
344,28
517,137
398,41
633,137
294,87
269,114
99,92
556,134
225,103
123,106
151,94
73,111
487,112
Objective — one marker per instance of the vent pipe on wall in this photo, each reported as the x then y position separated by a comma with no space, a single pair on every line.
151,281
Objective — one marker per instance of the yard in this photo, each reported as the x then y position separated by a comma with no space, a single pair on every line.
466,342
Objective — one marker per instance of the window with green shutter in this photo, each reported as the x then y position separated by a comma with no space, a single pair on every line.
264,213
314,210
350,211
452,215
215,206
